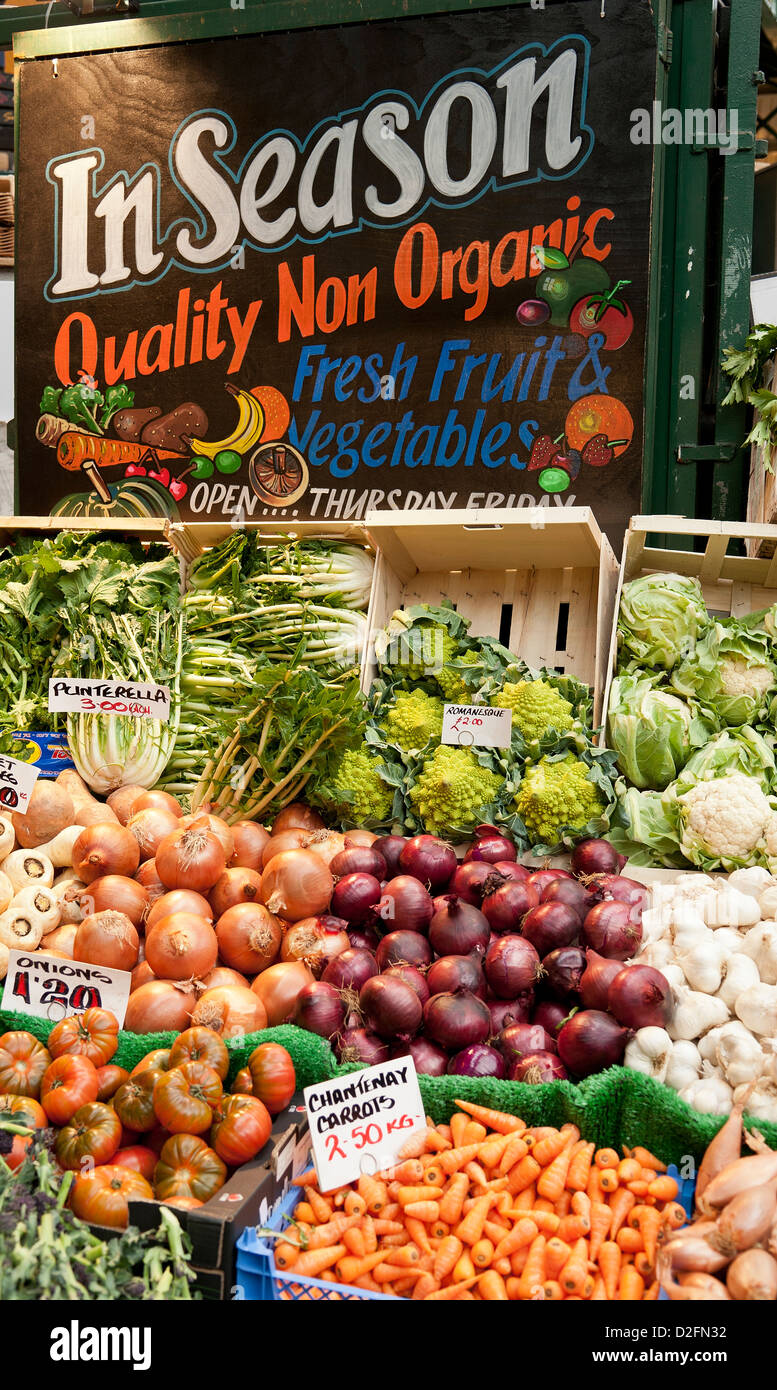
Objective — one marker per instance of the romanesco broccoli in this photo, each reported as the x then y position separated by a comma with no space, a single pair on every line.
537,707
451,682
424,650
359,793
557,793
413,719
453,791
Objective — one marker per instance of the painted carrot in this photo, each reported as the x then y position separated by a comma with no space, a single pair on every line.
610,1268
492,1119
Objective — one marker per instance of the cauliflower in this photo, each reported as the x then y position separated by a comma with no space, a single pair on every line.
358,792
537,707
413,720
727,822
453,792
556,794
740,679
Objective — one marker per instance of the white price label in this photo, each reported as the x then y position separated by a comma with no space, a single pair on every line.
17,780
48,987
359,1123
477,726
109,697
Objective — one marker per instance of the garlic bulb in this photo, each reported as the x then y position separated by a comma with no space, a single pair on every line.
708,1045
762,1101
695,1013
751,881
658,954
739,1055
733,909
729,938
655,924
673,974
649,1052
684,1066
757,1008
739,973
767,902
711,1095
703,966
760,944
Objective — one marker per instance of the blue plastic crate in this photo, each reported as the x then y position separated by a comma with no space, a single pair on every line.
685,1198
258,1280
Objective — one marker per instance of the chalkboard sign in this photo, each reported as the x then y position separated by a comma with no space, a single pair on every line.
312,273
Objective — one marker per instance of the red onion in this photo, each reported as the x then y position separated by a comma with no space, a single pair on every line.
506,869
610,929
478,1060
563,971
456,972
507,907
522,1038
457,928
364,938
569,892
411,977
457,1020
404,948
511,965
354,895
390,846
429,860
351,969
591,1041
358,859
428,1057
538,1068
597,978
542,877
490,844
359,1045
505,1012
319,1009
468,881
640,997
390,1007
550,1013
622,890
405,904
550,925
595,857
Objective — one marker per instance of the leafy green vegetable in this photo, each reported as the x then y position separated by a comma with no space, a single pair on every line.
79,404
49,401
653,731
732,672
116,398
748,368
662,617
567,796
453,790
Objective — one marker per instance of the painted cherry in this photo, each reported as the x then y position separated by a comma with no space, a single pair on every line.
134,469
163,476
178,489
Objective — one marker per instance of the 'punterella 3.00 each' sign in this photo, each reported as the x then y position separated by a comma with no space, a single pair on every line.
109,697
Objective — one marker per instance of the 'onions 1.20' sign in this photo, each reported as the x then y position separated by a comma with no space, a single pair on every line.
400,264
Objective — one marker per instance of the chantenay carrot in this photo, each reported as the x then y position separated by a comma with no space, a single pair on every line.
492,1119
610,1267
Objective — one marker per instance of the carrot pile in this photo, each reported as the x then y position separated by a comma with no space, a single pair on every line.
486,1208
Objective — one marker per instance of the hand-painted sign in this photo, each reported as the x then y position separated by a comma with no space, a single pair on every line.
315,273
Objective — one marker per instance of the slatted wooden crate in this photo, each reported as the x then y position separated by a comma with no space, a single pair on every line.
542,581
142,528
193,538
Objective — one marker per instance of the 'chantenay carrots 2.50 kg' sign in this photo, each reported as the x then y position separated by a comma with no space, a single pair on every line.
415,253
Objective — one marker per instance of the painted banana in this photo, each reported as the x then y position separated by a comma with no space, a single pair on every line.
246,433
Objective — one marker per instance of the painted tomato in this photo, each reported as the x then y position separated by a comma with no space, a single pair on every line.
272,1071
24,1111
93,1133
93,1034
102,1197
200,1045
616,324
138,1158
188,1168
159,1059
134,1101
23,1060
111,1078
185,1098
67,1084
240,1129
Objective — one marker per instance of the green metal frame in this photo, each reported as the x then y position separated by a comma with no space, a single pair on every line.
701,226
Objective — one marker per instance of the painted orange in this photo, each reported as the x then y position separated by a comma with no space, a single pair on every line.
276,412
599,415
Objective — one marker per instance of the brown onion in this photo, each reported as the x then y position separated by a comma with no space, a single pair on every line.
105,848
325,843
220,975
250,840
191,857
278,988
216,826
297,816
359,838
279,844
157,801
231,1010
161,1006
296,884
315,943
249,937
115,893
752,1277
141,975
123,800
745,1220
61,939
181,947
150,828
150,880
107,938
695,1253
235,886
712,1289
179,900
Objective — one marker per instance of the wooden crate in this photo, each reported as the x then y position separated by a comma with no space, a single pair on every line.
7,219
193,538
140,528
503,570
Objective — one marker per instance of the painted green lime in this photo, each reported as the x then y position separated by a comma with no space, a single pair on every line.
203,467
553,480
228,461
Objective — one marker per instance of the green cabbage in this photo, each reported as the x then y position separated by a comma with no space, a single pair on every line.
732,672
661,618
653,731
734,750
